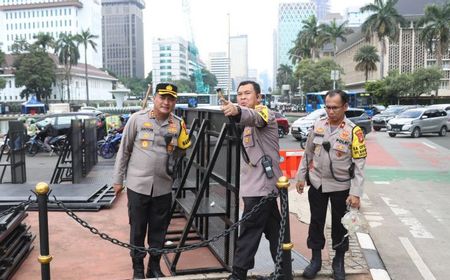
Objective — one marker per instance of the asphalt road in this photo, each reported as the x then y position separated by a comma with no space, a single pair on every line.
406,203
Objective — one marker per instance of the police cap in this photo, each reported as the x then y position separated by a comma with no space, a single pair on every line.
166,88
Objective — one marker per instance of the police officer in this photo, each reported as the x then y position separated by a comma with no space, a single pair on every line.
151,139
332,165
259,173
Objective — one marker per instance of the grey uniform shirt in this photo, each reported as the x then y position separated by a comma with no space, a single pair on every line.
346,145
142,156
260,137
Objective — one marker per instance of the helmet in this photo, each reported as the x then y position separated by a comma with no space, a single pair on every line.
22,119
31,120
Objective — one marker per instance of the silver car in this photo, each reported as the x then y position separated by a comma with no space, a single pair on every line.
446,108
415,122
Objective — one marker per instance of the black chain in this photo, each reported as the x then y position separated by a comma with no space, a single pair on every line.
20,206
155,251
278,259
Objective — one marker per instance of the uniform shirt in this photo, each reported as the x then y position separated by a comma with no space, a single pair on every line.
260,137
346,145
142,155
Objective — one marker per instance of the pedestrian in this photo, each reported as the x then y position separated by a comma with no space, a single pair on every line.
152,138
332,165
259,174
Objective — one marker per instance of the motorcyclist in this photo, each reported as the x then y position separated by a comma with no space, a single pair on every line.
32,128
47,133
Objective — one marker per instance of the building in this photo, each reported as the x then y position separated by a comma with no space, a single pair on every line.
218,64
170,59
354,17
100,84
406,55
123,37
290,17
239,56
21,19
322,8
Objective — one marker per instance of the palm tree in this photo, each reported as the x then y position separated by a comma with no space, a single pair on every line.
87,39
366,59
310,37
332,32
299,51
284,74
44,40
436,29
384,23
68,55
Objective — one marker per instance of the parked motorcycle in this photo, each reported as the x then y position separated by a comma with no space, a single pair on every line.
110,146
35,145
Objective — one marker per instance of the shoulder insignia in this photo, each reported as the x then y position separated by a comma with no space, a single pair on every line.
358,143
177,117
263,111
183,139
319,130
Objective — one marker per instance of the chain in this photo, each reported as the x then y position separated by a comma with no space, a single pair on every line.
284,203
19,206
155,251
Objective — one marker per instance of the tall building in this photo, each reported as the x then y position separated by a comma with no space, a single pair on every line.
290,17
322,7
239,56
21,19
123,37
218,64
170,58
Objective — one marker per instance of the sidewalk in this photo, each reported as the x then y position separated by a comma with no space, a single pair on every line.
78,254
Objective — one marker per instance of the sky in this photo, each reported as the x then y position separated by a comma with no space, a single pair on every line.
209,26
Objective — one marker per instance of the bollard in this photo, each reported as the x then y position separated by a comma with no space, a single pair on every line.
283,185
45,258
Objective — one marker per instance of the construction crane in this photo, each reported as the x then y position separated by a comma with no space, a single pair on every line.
193,51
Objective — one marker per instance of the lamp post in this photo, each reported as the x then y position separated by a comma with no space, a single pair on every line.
229,58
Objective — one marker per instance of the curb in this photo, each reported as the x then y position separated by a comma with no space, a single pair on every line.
373,259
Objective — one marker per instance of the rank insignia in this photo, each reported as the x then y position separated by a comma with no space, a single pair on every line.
144,144
148,124
320,130
344,135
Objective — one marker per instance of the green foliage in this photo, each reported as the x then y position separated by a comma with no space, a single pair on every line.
366,59
316,76
44,41
19,46
86,38
184,85
425,80
2,59
209,79
138,87
68,54
36,71
332,32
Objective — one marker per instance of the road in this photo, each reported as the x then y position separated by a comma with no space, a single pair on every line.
406,203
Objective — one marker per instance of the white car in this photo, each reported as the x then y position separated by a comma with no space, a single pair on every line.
415,122
445,107
300,127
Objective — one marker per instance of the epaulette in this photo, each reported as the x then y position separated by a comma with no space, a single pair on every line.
177,117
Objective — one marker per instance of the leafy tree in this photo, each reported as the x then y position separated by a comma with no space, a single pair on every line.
332,32
86,38
44,41
68,54
19,46
378,91
209,79
299,51
184,85
366,59
308,42
425,80
284,75
36,71
384,23
2,59
315,75
138,87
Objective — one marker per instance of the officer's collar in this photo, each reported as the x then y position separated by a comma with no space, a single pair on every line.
169,120
342,125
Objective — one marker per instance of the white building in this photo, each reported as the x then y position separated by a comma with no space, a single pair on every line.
24,19
239,56
219,65
100,84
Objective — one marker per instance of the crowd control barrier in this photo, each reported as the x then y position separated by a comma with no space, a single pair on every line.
289,162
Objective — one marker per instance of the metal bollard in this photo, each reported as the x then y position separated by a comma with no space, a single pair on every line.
283,185
45,258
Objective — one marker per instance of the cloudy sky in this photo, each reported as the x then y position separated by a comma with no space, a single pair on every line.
209,25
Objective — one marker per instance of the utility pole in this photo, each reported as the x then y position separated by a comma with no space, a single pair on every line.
229,58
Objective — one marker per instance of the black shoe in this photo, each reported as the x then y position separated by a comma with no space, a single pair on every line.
338,267
314,266
238,274
138,269
154,268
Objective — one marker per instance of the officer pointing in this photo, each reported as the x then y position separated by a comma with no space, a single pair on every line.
332,166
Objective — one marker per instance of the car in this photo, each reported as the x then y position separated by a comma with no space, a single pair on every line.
356,115
379,121
446,108
283,124
62,121
415,122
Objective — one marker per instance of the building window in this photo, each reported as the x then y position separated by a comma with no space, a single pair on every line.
444,84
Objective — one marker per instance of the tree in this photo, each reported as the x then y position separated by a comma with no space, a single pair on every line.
68,55
36,71
436,30
332,32
425,80
19,46
2,59
44,41
209,79
315,75
366,59
309,38
184,85
377,90
384,23
284,75
86,39
138,87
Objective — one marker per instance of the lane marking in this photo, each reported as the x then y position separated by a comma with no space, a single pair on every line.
417,260
382,182
430,146
379,274
415,226
365,241
435,215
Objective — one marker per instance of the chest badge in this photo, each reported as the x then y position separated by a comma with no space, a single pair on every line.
148,125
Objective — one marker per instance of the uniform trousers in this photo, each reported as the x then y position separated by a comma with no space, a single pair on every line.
148,216
267,221
318,202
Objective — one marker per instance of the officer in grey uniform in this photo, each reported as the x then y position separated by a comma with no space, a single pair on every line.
152,142
259,173
332,166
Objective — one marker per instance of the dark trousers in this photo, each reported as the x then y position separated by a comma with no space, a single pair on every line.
267,221
148,216
318,202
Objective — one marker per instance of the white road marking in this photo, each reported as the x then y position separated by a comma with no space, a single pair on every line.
435,215
379,274
415,257
365,241
430,146
415,227
382,182
373,218
375,224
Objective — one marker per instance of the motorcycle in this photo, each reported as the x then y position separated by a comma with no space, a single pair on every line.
110,146
303,138
35,145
